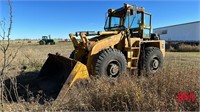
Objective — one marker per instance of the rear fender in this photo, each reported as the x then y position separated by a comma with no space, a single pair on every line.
156,43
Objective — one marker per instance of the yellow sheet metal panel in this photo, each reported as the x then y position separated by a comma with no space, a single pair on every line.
162,47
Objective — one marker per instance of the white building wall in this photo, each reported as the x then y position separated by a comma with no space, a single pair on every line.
182,32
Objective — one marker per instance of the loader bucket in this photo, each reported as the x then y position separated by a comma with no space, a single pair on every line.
58,74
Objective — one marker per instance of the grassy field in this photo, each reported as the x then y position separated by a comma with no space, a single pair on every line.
160,92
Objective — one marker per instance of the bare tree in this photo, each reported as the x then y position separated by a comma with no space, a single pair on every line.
5,42
4,45
8,57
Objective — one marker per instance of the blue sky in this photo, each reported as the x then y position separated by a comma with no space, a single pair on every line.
32,19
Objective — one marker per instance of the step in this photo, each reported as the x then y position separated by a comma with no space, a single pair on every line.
133,58
132,67
132,48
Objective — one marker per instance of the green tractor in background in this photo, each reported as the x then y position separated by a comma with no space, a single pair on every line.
46,40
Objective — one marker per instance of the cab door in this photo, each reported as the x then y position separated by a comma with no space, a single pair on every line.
146,26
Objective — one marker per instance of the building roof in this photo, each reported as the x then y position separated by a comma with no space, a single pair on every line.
178,25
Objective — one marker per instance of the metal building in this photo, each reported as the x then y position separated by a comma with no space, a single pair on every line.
187,32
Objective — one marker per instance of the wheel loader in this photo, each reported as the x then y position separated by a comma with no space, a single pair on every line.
127,44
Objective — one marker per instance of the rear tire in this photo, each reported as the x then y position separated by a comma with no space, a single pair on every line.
52,43
153,60
110,62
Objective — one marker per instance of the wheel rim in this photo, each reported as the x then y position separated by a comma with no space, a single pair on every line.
155,63
113,69
41,42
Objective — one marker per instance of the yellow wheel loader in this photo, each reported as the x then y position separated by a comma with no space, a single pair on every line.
127,44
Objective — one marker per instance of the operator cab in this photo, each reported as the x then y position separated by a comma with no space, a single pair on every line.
46,37
129,17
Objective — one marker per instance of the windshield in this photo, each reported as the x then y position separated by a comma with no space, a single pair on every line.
119,23
133,21
112,23
120,19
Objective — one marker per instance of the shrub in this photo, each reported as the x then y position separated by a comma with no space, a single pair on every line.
188,48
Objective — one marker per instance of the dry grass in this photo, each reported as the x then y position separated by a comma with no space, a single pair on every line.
143,94
32,55
185,48
180,74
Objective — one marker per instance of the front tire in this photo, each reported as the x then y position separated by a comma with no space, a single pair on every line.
41,42
110,62
153,61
